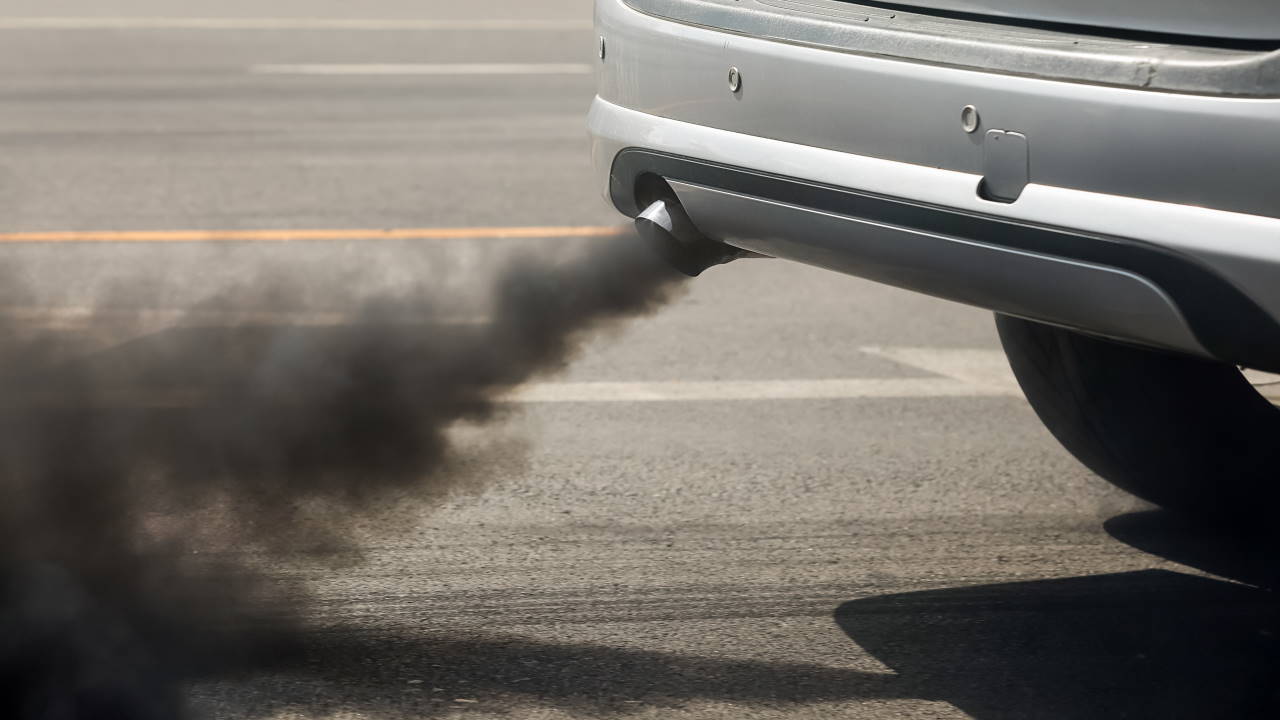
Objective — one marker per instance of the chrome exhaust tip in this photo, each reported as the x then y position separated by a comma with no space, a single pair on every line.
668,231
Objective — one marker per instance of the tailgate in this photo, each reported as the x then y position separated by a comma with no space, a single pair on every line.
1230,19
1071,52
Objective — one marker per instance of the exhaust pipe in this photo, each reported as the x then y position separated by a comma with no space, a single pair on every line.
668,231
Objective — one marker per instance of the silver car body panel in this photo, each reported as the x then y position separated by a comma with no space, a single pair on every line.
1193,174
1242,248
1241,19
1187,149
989,46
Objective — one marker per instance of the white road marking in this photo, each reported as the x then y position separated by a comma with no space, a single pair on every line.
1267,384
425,69
964,373
594,392
86,317
989,369
980,368
960,373
281,23
695,390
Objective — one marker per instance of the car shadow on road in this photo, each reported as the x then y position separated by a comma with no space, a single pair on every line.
1252,558
1147,644
388,675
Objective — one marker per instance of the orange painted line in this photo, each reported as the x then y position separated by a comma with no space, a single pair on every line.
200,236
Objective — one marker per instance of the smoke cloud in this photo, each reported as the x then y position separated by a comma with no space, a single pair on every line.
247,433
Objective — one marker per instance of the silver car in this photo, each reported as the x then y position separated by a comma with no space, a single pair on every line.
1103,174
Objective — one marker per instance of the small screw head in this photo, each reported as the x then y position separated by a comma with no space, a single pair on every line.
603,48
735,80
969,119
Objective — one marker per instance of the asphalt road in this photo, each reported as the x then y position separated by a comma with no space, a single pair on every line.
900,539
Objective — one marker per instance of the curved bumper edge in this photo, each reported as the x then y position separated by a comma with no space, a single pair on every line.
1191,279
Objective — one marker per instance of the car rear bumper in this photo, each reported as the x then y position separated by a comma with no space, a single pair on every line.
1188,177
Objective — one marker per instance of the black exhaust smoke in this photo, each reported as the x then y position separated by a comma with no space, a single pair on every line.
259,439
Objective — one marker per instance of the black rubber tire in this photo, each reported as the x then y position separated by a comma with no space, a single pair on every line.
1188,434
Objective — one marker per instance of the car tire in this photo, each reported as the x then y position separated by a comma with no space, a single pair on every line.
1188,434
